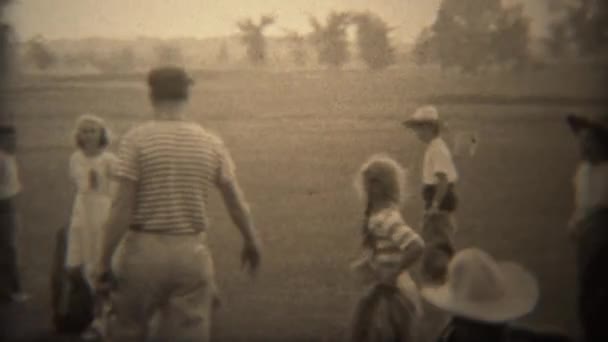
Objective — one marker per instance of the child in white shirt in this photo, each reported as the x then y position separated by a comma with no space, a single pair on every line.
591,178
439,178
588,223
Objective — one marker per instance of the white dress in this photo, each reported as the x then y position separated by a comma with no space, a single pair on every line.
91,175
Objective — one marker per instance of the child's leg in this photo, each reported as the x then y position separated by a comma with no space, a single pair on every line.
362,317
408,289
437,232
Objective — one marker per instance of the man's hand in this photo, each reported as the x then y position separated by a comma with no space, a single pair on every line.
105,282
250,256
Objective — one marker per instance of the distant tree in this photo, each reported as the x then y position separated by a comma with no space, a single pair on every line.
252,36
40,54
462,29
330,40
425,47
582,23
169,54
373,41
8,44
223,56
123,59
119,61
5,59
558,40
473,34
509,37
75,59
297,45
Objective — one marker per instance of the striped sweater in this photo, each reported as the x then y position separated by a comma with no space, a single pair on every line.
391,240
174,164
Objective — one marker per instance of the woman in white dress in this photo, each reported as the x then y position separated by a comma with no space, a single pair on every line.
89,169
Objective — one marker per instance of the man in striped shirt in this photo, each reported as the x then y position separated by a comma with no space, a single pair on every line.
165,170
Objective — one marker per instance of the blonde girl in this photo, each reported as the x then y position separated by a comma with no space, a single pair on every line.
89,170
391,306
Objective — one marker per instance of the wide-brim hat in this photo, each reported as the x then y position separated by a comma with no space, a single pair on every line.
423,116
482,289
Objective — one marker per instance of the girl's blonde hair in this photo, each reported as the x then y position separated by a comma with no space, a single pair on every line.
104,139
387,174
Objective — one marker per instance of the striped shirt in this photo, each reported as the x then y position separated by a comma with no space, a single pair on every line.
392,239
174,163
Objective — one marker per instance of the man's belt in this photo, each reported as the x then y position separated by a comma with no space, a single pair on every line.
141,229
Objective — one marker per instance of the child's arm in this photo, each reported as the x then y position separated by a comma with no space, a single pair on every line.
363,267
411,245
112,183
77,174
362,260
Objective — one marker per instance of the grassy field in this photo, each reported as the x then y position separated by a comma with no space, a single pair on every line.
298,140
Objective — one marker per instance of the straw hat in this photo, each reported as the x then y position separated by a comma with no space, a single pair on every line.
423,115
482,289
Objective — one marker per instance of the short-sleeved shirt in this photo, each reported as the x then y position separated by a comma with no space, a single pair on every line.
9,176
591,186
174,164
392,238
438,159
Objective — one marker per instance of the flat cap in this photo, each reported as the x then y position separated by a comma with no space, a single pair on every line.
169,83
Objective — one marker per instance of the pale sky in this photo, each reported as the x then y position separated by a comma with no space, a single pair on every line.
203,18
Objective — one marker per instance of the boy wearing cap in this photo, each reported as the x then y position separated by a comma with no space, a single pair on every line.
439,177
165,170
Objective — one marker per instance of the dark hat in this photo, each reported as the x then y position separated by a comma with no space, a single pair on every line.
597,123
169,83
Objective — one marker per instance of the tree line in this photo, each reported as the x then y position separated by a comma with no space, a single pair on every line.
467,35
472,35
329,39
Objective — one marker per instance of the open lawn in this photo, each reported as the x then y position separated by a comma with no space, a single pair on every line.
297,140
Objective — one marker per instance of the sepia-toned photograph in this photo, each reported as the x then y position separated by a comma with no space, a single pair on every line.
304,170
